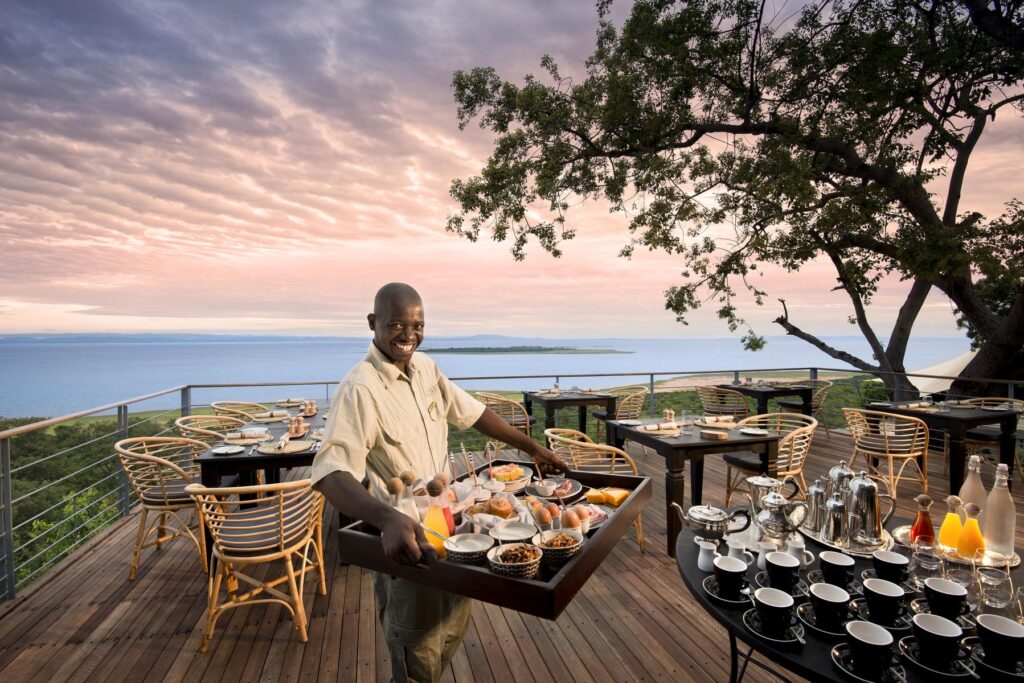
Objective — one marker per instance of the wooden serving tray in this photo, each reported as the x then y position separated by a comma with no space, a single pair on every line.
545,595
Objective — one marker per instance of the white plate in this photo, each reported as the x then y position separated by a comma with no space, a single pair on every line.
630,423
513,531
750,431
227,450
996,409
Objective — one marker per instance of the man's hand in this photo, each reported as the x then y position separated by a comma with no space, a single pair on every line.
547,460
404,541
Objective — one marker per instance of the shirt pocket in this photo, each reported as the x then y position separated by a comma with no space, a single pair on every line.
434,400
393,427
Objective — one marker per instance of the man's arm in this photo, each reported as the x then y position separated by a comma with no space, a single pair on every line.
493,426
402,537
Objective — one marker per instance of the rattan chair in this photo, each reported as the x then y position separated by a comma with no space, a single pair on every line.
718,401
629,402
819,392
243,410
283,522
794,446
878,435
210,429
159,468
985,440
512,412
583,454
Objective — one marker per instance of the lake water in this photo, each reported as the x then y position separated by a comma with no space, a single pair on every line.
46,379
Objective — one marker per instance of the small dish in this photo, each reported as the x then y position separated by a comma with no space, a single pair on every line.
512,532
962,666
711,588
630,423
227,450
752,431
468,548
794,634
522,570
842,659
996,409
562,554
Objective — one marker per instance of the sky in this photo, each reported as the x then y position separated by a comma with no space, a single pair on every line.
264,166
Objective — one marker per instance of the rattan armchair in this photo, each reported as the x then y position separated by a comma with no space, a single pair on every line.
797,432
243,410
512,412
582,454
283,522
985,439
159,468
878,435
819,392
718,401
209,429
629,402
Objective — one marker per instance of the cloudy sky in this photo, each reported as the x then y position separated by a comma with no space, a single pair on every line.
257,165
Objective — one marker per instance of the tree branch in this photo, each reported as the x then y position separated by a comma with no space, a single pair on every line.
795,331
995,25
905,322
860,313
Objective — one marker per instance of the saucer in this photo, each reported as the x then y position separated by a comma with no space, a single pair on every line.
859,607
805,613
907,587
965,621
793,636
908,648
973,645
799,590
711,588
817,576
842,659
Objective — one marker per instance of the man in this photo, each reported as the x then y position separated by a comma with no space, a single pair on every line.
390,414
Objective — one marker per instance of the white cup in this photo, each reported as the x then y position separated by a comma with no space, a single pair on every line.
797,549
763,548
739,550
707,555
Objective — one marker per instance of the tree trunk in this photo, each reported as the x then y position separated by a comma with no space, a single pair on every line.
993,361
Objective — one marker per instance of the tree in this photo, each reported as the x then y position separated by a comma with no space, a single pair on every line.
819,136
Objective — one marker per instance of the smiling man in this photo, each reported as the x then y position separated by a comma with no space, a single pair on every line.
391,413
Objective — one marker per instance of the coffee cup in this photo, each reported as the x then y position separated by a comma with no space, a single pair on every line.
830,605
763,548
740,552
1001,639
938,640
890,566
836,568
731,575
775,610
871,647
945,598
884,599
782,571
797,549
706,555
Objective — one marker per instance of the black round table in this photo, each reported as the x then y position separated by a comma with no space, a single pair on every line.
813,660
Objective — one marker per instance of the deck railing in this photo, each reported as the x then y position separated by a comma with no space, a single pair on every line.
53,502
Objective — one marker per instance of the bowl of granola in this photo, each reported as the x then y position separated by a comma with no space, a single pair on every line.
559,545
521,560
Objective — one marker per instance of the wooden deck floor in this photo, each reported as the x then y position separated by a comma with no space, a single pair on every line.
634,620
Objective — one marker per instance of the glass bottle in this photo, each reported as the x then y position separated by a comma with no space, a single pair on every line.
973,491
922,530
1000,515
434,518
949,532
400,497
971,541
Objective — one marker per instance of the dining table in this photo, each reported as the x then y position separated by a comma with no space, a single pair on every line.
955,421
680,449
811,660
551,401
762,393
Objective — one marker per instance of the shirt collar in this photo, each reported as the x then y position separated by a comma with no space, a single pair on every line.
388,371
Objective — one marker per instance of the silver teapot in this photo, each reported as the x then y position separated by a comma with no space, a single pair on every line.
761,485
712,523
863,504
779,516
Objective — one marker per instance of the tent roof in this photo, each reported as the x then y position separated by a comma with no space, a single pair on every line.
949,368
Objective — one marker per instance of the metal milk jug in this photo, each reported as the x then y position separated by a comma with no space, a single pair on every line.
815,507
835,527
863,502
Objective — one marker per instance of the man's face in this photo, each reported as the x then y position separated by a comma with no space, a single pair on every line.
398,329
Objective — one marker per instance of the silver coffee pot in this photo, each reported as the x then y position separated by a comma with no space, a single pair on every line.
816,500
835,528
863,503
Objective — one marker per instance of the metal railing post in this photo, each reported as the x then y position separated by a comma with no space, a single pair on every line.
186,401
651,387
736,378
122,433
812,373
7,520
1011,390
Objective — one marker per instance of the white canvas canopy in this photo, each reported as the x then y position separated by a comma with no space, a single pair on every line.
948,368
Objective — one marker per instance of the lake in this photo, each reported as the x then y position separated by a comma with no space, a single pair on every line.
55,378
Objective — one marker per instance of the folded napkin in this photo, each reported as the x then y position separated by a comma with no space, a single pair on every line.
233,435
254,433
914,405
282,443
711,419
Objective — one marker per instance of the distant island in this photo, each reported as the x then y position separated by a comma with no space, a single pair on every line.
520,349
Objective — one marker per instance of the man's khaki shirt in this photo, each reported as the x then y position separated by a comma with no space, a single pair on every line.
383,421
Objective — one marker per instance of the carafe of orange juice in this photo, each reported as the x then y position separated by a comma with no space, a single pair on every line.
971,541
434,518
949,532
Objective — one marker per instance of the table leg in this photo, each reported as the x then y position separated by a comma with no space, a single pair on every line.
696,480
733,659
807,403
210,479
957,457
549,416
583,419
772,458
528,404
675,489
612,437
762,405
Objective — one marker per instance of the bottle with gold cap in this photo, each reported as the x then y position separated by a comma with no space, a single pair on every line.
949,532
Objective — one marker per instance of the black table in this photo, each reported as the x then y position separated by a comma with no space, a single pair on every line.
567,399
955,422
763,394
813,661
678,450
